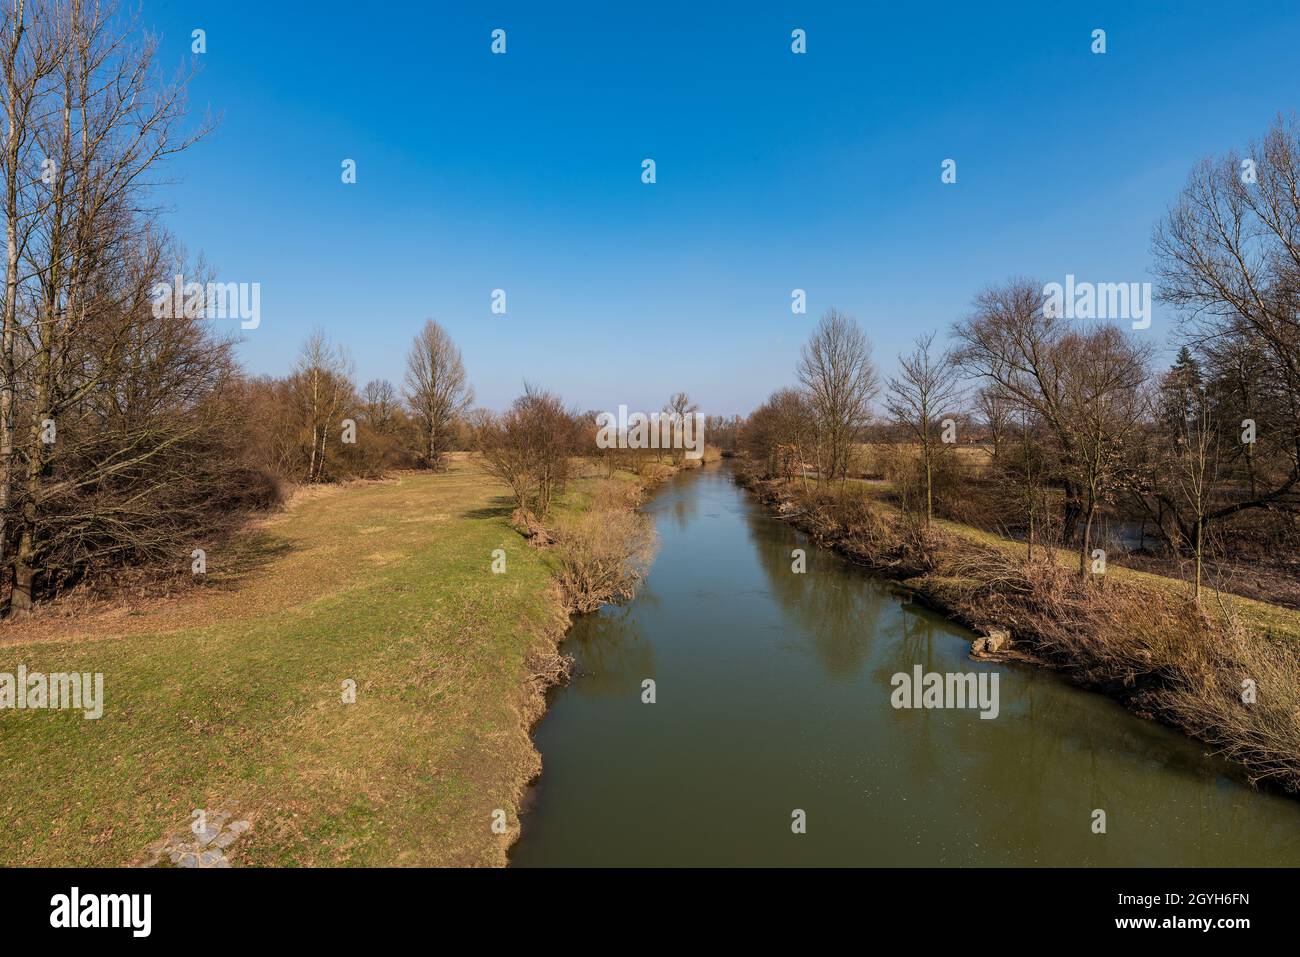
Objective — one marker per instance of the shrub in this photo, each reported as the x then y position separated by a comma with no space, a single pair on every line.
602,555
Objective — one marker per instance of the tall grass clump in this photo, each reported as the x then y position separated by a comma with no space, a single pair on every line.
602,552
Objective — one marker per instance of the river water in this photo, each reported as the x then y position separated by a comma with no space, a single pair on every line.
773,695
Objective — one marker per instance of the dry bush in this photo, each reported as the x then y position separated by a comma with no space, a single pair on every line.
530,448
609,494
1206,696
902,466
602,554
853,524
982,504
1183,662
1105,632
656,472
867,460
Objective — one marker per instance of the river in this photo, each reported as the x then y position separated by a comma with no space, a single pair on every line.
773,695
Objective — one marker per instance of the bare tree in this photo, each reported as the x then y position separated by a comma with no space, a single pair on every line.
529,447
92,108
1025,468
321,385
996,413
835,368
27,60
436,389
1102,377
1195,459
379,405
926,390
1228,254
678,408
723,431
1079,387
779,433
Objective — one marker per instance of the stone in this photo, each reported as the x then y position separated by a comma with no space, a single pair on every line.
226,839
995,640
207,835
189,860
239,827
209,858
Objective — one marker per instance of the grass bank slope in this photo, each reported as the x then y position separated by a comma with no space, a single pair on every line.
232,700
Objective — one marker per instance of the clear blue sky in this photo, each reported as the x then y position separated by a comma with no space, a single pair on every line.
775,171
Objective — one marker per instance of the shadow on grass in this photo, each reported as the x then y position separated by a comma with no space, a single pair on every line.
502,506
248,555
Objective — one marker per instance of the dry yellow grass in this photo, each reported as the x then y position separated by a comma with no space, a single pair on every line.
1258,616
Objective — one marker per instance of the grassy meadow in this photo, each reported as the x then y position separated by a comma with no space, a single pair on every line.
231,699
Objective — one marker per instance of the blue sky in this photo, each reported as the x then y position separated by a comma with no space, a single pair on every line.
775,171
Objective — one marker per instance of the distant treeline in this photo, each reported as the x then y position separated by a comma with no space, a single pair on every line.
1076,417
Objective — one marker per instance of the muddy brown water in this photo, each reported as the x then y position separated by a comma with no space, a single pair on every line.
773,695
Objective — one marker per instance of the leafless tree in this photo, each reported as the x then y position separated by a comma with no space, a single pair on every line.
1102,377
322,388
529,447
723,431
835,368
1079,386
84,97
926,390
436,389
1194,459
996,413
29,57
1228,254
379,405
780,432
679,406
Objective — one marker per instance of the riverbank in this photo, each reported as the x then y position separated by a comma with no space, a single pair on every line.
746,686
1226,672
358,686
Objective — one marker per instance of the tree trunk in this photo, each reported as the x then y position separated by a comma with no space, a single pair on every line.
929,492
1072,511
1085,548
20,599
1030,543
1196,590
10,318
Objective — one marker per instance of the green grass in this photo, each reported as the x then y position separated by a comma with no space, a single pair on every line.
231,700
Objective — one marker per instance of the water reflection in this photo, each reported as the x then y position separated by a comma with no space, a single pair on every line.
773,694
606,647
827,610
